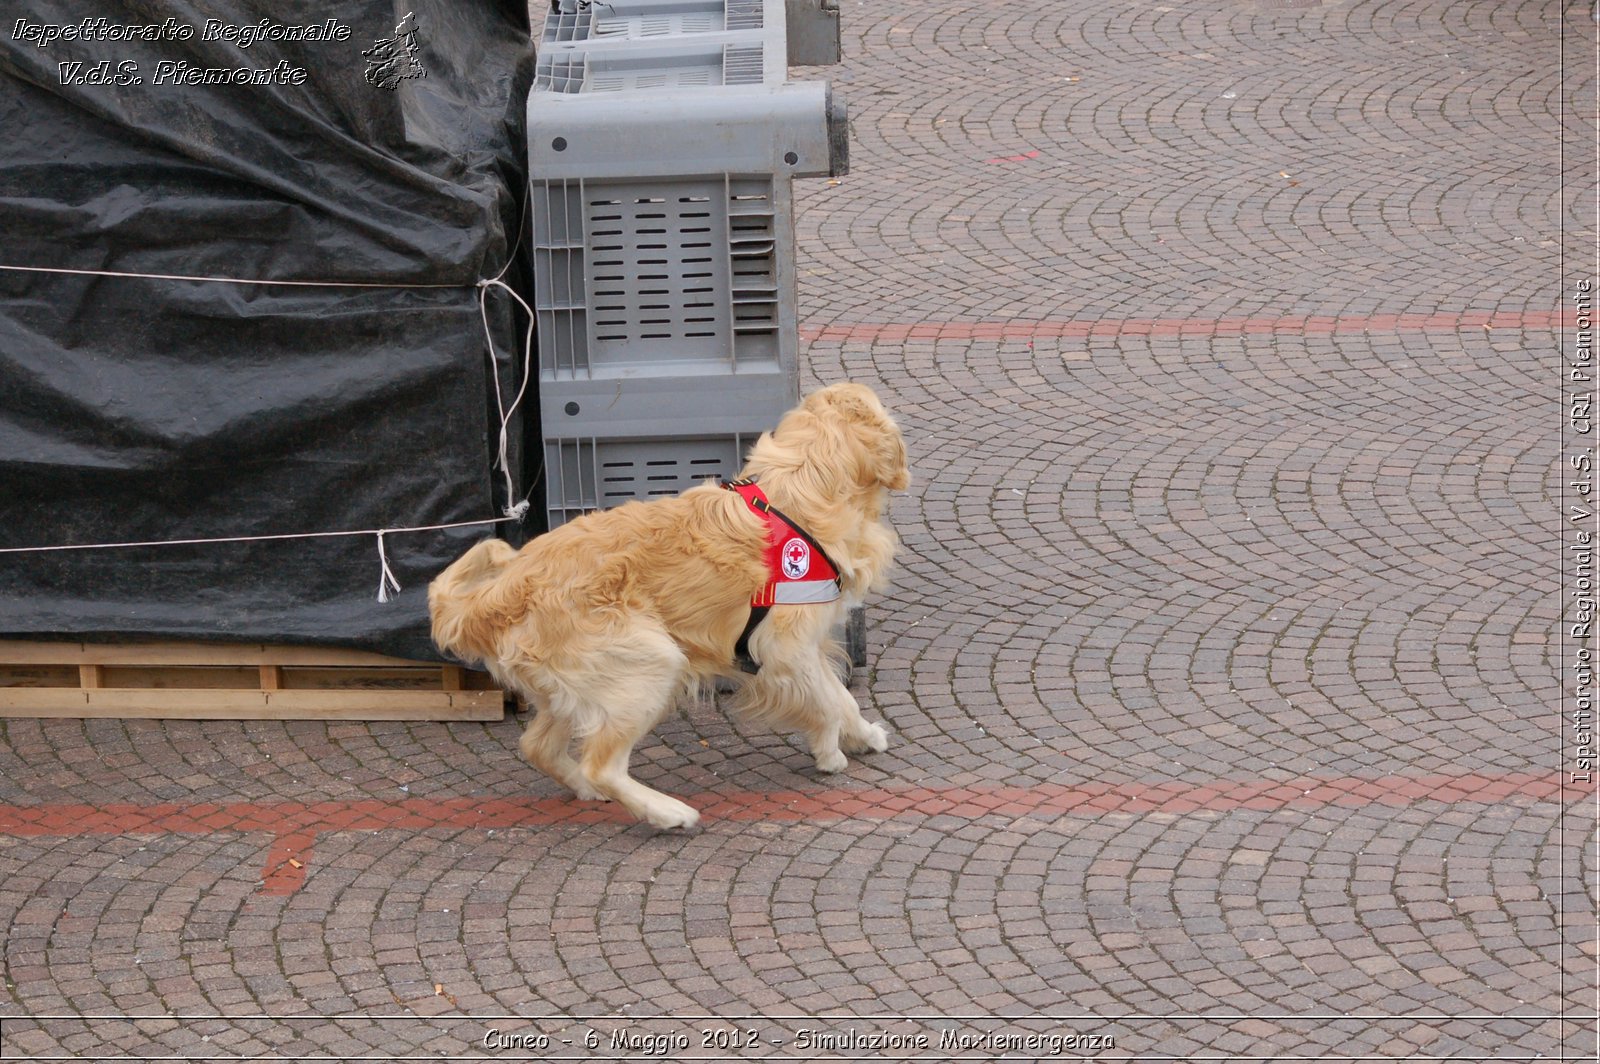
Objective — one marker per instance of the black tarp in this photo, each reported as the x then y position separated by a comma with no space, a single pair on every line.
147,409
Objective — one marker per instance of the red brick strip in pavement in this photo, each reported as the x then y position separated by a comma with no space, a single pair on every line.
1312,325
296,825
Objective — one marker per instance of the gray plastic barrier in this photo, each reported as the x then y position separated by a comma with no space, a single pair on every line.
662,139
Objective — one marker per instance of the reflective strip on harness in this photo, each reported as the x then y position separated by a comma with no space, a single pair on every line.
806,591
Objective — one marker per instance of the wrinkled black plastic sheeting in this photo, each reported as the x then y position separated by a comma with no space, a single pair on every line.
136,409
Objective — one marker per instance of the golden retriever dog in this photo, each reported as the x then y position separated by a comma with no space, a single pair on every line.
603,623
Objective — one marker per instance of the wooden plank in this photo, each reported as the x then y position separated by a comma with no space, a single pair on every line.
43,701
31,652
40,676
252,705
405,705
201,681
182,677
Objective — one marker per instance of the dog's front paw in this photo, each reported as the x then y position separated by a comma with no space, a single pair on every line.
872,738
832,761
666,813
584,792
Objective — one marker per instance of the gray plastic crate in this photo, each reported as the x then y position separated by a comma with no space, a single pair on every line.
663,136
663,43
812,26
572,20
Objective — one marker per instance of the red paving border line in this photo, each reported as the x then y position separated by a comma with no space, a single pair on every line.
296,825
1305,325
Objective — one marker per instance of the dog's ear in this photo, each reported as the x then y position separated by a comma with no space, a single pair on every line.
869,427
894,470
848,400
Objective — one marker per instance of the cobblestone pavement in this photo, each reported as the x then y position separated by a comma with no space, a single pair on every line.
1226,706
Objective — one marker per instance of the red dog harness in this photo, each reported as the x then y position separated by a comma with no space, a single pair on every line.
798,569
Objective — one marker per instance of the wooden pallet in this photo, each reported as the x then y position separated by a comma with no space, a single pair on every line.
223,681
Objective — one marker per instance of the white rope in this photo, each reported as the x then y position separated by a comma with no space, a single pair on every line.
386,577
516,510
248,539
223,280
520,509
522,223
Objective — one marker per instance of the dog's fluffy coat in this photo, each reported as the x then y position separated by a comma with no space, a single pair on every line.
602,623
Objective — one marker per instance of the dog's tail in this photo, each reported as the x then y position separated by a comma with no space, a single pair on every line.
461,617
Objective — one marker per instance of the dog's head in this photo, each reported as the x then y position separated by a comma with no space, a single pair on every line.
837,444
869,435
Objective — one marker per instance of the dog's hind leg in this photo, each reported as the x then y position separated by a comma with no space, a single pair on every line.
544,746
642,676
605,765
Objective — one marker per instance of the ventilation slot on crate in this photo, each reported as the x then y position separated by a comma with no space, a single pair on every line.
744,14
622,480
655,284
752,263
600,474
680,73
630,471
742,64
673,24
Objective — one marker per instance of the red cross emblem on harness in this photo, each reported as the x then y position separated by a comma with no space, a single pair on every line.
796,558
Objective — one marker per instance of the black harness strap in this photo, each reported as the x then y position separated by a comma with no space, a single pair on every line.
741,649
